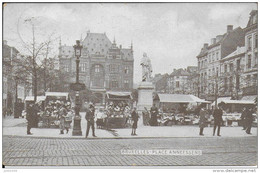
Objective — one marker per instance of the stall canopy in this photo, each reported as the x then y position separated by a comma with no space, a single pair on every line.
57,94
119,95
228,100
39,98
180,98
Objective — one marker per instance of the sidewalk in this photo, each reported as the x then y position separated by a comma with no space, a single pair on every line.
17,127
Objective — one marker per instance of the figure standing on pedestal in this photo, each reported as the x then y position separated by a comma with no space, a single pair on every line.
146,68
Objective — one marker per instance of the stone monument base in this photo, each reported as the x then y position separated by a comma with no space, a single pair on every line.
145,96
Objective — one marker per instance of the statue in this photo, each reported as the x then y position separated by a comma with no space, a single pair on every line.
146,68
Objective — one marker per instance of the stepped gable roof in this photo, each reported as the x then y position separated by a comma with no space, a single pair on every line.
127,54
97,43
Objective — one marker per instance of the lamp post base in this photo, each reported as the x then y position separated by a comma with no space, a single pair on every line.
77,127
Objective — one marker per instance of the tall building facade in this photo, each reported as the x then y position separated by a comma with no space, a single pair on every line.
104,66
209,67
251,55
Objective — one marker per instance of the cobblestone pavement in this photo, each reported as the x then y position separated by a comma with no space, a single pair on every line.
220,151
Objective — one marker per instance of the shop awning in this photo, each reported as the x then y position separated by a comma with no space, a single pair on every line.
57,94
228,100
119,95
39,98
180,98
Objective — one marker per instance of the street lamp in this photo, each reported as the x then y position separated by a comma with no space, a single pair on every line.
77,119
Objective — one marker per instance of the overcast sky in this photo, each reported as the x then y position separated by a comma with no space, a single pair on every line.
171,34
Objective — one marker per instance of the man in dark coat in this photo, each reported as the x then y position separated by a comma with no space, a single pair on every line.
134,116
29,118
217,114
154,112
249,120
90,115
243,116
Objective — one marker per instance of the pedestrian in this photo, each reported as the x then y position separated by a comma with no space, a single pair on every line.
62,115
249,120
154,112
203,119
90,115
217,114
134,116
243,116
68,120
29,118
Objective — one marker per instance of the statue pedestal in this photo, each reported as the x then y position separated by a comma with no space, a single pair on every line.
145,96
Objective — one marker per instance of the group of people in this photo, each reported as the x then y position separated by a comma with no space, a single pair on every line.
60,111
90,117
246,118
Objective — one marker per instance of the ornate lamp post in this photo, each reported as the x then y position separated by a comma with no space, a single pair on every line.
77,87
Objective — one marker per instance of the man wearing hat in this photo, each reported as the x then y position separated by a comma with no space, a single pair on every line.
90,115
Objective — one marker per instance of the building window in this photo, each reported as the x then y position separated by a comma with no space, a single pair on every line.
82,67
225,68
114,84
217,71
209,58
238,64
113,68
256,62
66,68
255,79
199,65
249,43
217,55
126,84
256,41
209,72
248,80
97,68
249,62
231,83
231,67
177,84
225,84
126,70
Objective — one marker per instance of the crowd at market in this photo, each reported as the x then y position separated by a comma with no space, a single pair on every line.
60,113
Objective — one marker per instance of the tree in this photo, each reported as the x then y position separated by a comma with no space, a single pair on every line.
36,46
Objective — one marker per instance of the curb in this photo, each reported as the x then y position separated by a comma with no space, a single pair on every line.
115,138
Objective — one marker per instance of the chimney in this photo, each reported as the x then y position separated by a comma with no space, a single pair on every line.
213,40
229,28
5,42
218,38
120,46
205,46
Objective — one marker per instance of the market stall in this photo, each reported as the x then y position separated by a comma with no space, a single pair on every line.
175,108
118,107
233,109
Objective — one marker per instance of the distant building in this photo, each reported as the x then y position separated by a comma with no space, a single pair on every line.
183,81
209,67
10,60
104,66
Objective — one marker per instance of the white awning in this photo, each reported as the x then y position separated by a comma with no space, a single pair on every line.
39,98
57,94
228,100
180,98
112,94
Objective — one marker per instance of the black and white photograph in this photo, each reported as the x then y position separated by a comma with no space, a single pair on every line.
130,85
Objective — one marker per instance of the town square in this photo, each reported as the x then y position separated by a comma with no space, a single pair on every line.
96,85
